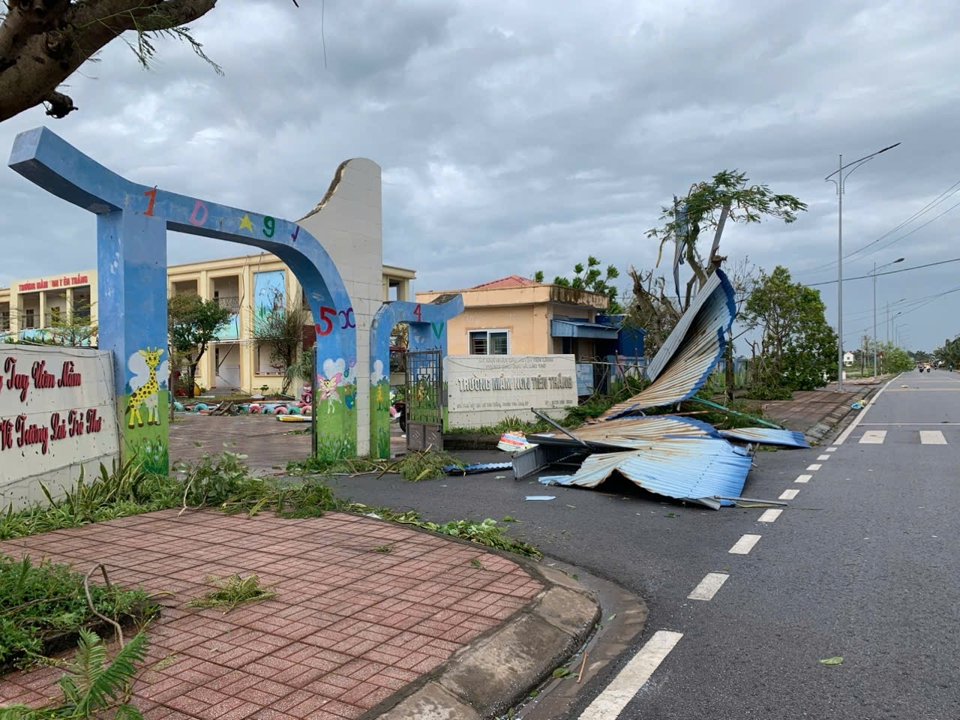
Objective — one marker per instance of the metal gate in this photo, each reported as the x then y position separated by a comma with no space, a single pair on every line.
425,400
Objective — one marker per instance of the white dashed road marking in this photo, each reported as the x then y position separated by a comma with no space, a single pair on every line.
873,437
610,703
744,545
708,586
932,437
813,467
769,516
831,449
803,478
859,418
789,494
823,457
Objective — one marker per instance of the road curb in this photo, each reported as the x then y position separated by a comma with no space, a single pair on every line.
834,422
497,669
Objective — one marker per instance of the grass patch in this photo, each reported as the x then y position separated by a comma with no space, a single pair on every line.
233,591
382,548
414,466
43,606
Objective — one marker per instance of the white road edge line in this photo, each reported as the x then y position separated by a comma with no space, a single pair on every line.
610,703
708,586
859,418
823,457
744,545
789,494
813,468
803,478
769,516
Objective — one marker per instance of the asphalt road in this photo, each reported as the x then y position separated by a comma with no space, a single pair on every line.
863,564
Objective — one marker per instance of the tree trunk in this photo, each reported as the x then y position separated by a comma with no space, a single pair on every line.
730,376
193,381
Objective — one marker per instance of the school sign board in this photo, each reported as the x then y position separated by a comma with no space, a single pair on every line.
482,390
57,414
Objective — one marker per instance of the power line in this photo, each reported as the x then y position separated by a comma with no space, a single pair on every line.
926,208
889,272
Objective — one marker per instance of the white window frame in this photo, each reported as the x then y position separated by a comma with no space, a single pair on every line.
487,331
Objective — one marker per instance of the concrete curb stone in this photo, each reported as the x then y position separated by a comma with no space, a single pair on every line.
498,668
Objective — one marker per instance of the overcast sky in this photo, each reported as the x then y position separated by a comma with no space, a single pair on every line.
520,136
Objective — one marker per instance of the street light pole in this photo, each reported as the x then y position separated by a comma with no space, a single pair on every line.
839,182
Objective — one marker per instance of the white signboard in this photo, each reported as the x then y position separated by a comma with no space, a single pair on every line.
485,389
57,413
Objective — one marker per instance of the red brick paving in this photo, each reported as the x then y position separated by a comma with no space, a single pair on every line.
349,626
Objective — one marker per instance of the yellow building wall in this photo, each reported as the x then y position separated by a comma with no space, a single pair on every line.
528,326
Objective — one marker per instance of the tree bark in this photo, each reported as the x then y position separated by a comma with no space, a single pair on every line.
43,42
729,375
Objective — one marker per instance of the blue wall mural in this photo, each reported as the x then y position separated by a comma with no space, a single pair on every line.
132,222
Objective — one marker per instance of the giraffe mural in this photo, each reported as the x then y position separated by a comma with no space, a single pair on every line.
146,389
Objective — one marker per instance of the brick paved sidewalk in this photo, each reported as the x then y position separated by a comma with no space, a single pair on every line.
349,625
810,408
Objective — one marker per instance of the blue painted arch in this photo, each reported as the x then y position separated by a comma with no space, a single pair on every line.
132,220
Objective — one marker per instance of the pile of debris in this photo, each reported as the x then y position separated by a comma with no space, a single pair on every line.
669,455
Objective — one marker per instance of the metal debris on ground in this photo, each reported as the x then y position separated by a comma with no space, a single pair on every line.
695,470
476,468
674,456
767,436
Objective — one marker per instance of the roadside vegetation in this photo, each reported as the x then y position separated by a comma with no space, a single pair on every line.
223,482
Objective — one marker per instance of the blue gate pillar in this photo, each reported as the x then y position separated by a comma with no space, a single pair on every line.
428,331
132,312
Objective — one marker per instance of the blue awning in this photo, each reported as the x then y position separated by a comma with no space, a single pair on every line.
582,329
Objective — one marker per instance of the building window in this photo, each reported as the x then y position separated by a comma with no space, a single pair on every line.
30,320
489,342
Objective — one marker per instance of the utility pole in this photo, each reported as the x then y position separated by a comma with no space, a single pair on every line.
839,182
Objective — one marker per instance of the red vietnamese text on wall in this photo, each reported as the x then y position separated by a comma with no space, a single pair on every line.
18,432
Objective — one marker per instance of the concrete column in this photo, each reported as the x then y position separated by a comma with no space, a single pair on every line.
42,322
69,305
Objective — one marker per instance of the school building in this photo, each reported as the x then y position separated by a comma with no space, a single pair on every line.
247,285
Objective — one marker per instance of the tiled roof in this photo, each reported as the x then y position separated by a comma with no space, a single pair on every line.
512,281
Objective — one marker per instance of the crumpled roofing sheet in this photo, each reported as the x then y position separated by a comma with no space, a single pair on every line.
696,469
630,432
767,436
688,356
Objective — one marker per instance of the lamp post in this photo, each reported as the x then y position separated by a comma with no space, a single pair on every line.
888,315
839,182
875,268
892,323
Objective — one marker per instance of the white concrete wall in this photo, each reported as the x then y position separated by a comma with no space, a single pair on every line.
349,225
24,464
485,389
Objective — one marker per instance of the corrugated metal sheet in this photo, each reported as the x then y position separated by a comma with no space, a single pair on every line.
767,436
690,353
695,469
639,432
